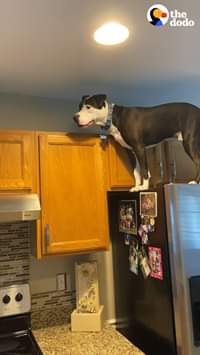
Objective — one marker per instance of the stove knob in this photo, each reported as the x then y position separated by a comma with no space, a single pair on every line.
19,297
6,299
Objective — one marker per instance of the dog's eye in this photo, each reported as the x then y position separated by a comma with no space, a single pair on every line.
88,107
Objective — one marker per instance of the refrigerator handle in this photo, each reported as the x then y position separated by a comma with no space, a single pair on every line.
161,166
161,170
173,170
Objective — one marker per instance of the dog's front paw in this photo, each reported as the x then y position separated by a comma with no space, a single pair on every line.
142,187
135,188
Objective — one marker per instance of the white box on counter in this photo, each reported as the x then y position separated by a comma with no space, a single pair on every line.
87,322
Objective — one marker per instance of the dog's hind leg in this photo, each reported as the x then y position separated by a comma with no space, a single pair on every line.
194,154
197,165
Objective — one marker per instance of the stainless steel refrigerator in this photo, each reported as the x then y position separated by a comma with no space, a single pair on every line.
161,315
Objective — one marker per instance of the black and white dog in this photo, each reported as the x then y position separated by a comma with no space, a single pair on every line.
137,127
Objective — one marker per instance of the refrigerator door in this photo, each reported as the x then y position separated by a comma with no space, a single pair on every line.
183,224
144,308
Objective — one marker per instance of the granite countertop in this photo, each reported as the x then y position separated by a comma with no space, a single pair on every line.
59,340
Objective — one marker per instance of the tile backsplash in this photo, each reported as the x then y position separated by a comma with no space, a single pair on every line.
48,308
14,253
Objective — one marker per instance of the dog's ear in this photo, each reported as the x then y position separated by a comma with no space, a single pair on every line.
84,97
100,100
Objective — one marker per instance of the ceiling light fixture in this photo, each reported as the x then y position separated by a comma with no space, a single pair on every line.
111,33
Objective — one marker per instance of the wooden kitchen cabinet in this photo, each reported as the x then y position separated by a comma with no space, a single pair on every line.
73,194
119,167
17,169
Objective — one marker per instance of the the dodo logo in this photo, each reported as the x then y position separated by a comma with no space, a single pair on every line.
158,15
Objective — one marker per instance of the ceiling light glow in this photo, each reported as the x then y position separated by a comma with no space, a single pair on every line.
111,33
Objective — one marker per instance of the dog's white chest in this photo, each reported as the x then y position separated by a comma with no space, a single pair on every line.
113,131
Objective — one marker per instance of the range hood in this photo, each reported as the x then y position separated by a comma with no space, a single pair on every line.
18,207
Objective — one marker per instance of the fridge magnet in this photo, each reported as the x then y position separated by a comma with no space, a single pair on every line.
148,204
128,217
145,267
145,238
133,258
143,233
152,224
127,239
155,261
149,222
144,263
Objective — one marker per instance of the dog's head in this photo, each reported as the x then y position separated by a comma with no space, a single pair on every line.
92,110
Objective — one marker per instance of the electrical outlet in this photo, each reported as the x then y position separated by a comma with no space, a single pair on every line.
61,281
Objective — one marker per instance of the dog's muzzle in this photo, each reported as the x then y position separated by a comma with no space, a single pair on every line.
76,118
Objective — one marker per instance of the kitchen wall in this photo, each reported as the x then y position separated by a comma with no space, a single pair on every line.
35,113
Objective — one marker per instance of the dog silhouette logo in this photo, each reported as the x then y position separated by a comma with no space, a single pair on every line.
158,15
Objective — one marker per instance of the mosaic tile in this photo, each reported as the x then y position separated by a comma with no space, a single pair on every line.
15,251
48,308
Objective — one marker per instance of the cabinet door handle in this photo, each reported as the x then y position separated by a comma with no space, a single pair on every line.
47,237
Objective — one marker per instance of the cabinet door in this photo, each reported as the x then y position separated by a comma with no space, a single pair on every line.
73,196
17,160
169,163
120,169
